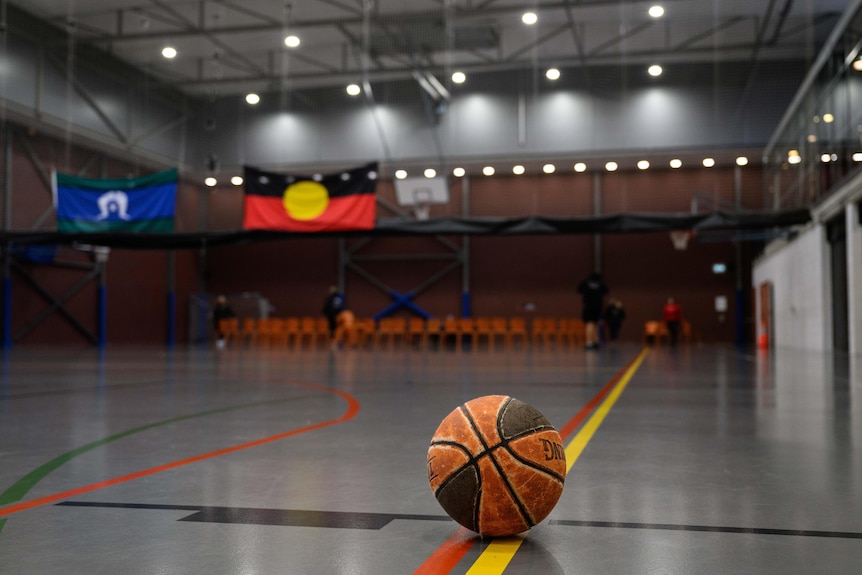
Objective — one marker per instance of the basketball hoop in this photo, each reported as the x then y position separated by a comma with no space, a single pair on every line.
421,210
680,239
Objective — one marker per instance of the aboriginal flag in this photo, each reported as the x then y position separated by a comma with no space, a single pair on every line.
342,201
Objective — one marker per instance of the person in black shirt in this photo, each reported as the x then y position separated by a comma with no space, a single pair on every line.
592,291
614,315
333,306
222,310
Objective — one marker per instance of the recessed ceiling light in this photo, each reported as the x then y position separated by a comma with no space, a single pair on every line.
741,161
459,172
488,170
676,163
552,74
612,166
354,89
797,159
459,77
401,174
580,167
529,18
643,165
236,180
812,138
708,162
857,157
857,65
430,173
828,118
211,182
252,98
169,52
656,11
549,168
825,158
518,169
292,41
655,70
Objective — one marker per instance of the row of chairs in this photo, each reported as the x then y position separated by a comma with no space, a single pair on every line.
490,332
655,332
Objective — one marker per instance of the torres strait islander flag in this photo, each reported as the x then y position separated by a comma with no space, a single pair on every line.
335,202
145,204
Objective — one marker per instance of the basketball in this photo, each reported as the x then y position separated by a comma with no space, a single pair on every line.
496,465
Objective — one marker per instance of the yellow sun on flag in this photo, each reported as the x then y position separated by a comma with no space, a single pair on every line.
305,200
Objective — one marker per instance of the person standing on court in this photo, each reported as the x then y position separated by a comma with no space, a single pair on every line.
221,311
673,319
592,290
332,306
614,315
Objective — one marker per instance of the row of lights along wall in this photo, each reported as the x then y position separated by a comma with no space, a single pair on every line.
580,167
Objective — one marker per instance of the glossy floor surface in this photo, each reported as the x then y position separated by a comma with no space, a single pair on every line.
691,460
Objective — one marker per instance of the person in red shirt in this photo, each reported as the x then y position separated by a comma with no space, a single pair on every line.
673,319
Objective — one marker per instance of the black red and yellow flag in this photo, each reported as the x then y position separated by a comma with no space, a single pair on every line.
342,201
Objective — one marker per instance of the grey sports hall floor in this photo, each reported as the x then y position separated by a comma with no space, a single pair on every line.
701,460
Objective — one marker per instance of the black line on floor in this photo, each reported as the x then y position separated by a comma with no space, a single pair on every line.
351,520
708,529
276,517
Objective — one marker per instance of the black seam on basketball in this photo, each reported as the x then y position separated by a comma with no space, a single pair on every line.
527,462
471,461
478,433
504,443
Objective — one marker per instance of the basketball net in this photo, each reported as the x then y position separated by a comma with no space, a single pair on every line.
680,239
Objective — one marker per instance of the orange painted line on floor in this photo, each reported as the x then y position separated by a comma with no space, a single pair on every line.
352,410
448,554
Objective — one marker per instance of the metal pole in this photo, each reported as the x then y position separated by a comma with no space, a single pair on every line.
172,299
466,308
597,211
737,246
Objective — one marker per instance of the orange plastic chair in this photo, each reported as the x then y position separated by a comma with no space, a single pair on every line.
248,331
451,331
482,331
655,331
292,331
466,327
416,331
346,331
517,331
307,331
499,331
391,329
433,330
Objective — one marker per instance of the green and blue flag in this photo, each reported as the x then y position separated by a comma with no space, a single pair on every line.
145,204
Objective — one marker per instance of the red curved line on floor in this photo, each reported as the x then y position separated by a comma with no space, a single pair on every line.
352,410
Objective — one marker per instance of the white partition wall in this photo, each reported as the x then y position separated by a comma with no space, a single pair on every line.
801,302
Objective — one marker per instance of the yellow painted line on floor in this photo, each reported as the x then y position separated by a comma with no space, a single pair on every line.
496,557
579,442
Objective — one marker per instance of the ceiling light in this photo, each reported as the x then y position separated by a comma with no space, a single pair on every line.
708,162
292,41
401,174
676,163
169,52
825,158
211,182
552,74
459,77
656,11
518,170
549,168
643,165
857,157
430,173
655,70
529,18
236,180
792,153
580,167
811,138
797,159
459,172
488,170
612,166
354,89
741,161
252,98
857,65
828,118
